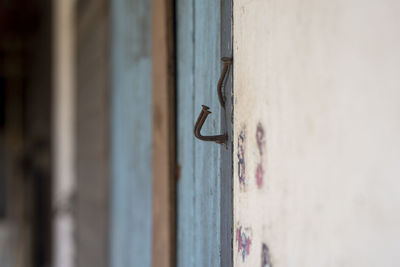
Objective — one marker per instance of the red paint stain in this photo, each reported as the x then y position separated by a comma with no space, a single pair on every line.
247,246
239,238
259,175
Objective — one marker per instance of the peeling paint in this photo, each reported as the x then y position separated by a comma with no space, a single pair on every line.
265,257
240,155
243,242
260,144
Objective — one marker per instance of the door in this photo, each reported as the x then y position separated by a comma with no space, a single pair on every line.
204,186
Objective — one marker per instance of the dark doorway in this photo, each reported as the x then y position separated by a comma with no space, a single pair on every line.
25,133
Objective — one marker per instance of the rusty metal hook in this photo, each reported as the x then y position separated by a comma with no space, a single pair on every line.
219,139
227,62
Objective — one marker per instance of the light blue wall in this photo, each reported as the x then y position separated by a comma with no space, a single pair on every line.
130,48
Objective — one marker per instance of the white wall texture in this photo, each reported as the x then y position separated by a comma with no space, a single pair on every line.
322,79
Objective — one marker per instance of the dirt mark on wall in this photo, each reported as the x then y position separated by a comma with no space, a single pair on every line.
261,146
241,156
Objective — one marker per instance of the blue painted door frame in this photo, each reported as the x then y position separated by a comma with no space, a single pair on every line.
204,189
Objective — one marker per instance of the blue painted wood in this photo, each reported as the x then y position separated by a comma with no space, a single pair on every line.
199,187
186,230
130,232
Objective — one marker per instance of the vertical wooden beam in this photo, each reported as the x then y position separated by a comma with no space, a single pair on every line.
201,183
185,117
163,134
63,132
131,187
92,133
226,208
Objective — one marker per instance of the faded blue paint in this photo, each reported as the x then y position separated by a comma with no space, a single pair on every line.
130,130
198,192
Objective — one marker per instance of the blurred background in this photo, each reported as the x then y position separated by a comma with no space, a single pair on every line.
56,109
25,133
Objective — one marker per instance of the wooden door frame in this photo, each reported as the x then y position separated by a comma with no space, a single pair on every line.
165,170
163,159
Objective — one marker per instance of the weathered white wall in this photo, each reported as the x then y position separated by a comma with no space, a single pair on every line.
63,132
322,79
